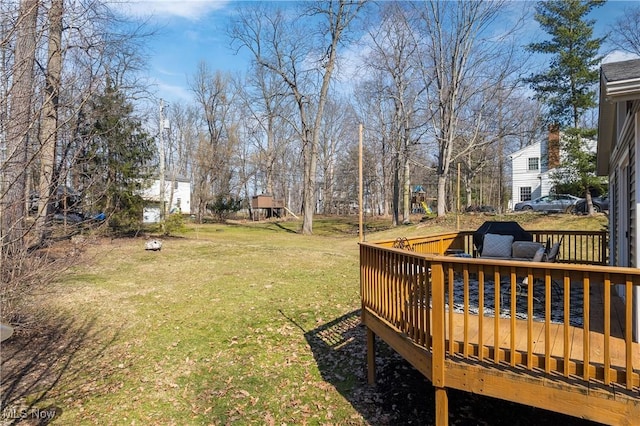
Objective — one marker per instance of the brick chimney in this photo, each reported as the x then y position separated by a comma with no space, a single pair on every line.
553,148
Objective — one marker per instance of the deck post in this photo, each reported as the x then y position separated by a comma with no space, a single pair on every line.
438,344
442,407
371,357
437,325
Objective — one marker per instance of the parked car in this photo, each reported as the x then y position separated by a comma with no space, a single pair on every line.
549,203
600,204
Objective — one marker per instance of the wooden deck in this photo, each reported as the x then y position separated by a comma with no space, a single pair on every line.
590,370
594,400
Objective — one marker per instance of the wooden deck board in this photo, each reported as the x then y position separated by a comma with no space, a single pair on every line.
539,340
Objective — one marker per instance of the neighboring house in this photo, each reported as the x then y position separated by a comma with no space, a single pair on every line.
619,158
177,198
531,167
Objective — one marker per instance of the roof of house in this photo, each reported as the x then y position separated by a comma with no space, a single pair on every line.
619,81
528,148
621,74
169,178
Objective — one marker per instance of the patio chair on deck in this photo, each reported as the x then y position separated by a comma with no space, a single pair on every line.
550,256
501,228
552,253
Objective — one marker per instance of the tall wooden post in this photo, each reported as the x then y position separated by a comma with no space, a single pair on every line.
162,165
438,344
458,202
371,357
442,407
360,184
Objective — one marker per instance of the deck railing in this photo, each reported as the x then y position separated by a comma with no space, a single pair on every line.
584,247
522,314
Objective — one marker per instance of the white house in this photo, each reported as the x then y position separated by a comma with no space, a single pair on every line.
618,154
177,198
531,166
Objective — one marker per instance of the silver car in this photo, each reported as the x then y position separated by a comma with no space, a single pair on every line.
549,203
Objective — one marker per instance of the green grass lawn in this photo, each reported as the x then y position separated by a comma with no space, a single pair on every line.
227,324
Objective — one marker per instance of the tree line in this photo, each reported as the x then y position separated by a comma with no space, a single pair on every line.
420,76
435,85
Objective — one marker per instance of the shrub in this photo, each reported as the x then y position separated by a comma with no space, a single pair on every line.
173,223
224,206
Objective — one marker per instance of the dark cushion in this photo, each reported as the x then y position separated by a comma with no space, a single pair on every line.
525,249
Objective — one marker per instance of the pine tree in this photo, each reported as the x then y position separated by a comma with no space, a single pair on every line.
568,86
117,160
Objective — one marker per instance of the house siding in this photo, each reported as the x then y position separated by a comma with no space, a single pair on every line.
523,177
633,212
181,191
629,140
549,157
614,220
632,207
619,142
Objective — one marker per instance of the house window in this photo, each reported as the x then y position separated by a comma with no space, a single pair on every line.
175,184
525,193
534,163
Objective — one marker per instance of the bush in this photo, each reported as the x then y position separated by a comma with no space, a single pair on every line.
173,223
224,206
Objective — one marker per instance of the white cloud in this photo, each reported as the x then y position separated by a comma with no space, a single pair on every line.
172,92
164,71
189,9
618,56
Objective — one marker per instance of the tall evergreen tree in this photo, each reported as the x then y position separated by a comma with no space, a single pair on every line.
117,160
568,86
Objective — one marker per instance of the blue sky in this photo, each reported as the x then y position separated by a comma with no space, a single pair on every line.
189,32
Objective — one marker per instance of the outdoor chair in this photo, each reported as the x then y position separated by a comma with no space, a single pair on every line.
552,254
549,256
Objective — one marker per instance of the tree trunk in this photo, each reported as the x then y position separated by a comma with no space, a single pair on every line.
14,168
309,187
442,194
406,218
49,130
396,190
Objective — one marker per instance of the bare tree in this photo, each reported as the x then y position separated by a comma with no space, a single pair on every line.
625,33
394,49
213,170
305,61
18,130
182,138
338,131
49,127
264,99
462,52
374,104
